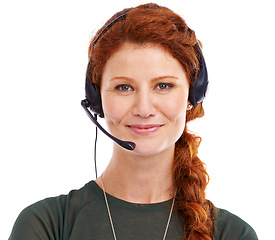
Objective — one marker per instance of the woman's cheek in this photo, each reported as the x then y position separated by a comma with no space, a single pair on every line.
175,107
114,108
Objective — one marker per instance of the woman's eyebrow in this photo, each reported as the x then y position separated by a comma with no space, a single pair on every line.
121,78
164,77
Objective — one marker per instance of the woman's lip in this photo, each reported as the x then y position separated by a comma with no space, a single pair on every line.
145,129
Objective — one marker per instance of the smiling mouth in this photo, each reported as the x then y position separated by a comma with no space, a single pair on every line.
145,129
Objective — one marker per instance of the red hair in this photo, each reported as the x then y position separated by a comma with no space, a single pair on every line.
153,24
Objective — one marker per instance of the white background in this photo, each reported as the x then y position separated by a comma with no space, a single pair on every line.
47,140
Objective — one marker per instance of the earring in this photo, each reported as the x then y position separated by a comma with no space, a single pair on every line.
189,107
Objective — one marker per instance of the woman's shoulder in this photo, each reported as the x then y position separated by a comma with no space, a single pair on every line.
53,216
74,200
230,226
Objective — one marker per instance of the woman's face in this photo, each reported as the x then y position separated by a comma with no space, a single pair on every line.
144,97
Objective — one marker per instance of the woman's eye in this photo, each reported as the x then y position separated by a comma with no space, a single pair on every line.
164,86
124,87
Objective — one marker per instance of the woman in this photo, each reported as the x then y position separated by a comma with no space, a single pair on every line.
143,64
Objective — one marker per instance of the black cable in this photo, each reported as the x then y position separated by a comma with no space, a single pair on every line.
95,148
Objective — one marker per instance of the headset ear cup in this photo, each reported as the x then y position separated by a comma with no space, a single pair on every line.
94,98
198,89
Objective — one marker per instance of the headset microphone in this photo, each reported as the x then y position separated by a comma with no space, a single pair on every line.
125,144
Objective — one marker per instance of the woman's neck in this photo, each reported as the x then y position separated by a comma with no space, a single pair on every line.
139,179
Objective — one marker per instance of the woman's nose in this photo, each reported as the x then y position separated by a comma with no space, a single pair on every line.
144,105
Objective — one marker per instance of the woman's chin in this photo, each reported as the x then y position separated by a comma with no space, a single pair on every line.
146,149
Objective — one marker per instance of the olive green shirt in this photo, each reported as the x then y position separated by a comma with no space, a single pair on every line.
82,214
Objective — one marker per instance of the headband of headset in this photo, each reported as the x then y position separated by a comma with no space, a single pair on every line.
197,90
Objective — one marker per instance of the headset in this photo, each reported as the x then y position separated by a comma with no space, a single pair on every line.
197,91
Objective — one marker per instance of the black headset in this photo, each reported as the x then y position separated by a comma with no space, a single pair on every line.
93,101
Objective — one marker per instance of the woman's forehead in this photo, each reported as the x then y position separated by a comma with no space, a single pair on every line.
142,60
